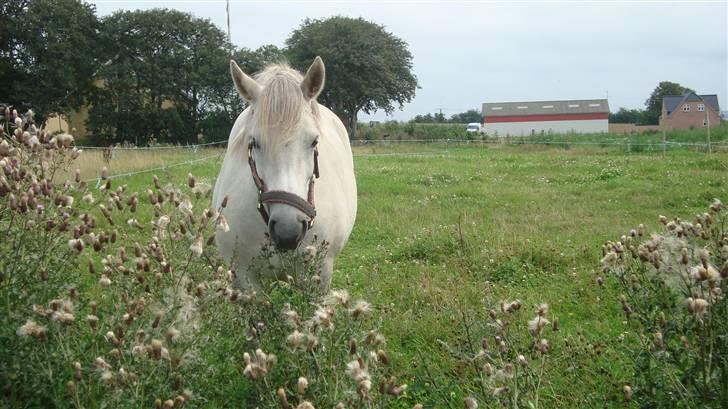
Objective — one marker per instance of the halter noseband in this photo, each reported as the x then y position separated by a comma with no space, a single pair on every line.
266,196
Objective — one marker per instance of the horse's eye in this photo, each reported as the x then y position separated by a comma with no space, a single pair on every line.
315,143
254,144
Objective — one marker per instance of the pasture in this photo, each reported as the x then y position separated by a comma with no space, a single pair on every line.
447,233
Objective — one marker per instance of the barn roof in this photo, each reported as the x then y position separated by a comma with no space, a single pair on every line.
673,101
575,106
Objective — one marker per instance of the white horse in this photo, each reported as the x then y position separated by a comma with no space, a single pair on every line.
288,163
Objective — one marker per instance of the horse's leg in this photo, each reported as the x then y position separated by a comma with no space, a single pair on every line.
327,269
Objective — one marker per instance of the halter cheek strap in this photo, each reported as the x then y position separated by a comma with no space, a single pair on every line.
265,196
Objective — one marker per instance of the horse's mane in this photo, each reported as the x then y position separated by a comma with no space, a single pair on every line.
280,105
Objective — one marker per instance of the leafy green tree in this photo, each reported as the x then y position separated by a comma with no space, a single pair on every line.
367,68
167,77
471,115
49,51
627,116
654,102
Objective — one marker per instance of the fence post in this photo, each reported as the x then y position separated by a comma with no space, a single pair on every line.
707,125
664,141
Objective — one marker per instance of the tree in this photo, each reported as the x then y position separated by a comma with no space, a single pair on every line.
49,52
627,116
471,115
367,68
167,76
654,102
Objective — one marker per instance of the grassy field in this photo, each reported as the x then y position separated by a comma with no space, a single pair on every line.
444,235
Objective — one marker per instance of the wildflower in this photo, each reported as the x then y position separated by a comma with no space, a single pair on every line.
162,223
323,317
510,306
542,310
361,307
337,297
500,390
31,329
470,403
172,334
305,405
312,342
190,180
522,361
104,280
302,385
282,398
156,349
697,306
309,252
196,247
76,245
185,207
222,224
63,317
92,320
716,206
543,346
360,375
536,325
627,390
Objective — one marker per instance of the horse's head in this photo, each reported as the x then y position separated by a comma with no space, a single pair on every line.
281,137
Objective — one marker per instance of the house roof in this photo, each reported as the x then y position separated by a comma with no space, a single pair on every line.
575,106
670,102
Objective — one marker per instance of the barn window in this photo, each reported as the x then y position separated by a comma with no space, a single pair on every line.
686,108
573,105
522,107
548,106
496,108
701,107
595,105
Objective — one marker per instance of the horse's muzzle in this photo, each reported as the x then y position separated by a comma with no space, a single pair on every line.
286,235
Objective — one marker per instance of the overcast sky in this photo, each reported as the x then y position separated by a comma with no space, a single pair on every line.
470,52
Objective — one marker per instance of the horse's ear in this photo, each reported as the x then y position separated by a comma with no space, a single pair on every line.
314,80
248,88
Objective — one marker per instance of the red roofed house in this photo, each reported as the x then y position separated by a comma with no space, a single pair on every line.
539,117
689,110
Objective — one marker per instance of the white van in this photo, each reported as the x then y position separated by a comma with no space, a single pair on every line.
474,127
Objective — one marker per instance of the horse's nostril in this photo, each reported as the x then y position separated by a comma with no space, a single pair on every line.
286,236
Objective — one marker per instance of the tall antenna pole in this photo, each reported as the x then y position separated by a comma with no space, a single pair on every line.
230,39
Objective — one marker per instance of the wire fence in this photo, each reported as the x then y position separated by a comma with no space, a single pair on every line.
623,143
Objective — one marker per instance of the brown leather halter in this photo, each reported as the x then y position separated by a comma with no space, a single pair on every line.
266,196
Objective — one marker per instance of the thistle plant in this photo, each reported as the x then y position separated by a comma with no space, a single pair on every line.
311,349
504,354
672,286
101,302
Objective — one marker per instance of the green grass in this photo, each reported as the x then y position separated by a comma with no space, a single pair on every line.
465,227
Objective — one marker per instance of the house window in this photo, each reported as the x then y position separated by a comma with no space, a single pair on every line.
686,108
497,108
701,107
548,106
573,105
594,105
522,107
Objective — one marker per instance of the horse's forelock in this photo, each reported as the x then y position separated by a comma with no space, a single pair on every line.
280,106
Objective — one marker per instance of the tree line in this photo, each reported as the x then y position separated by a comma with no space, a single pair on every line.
162,75
653,106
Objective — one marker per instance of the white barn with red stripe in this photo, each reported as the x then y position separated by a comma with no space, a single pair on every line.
546,117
